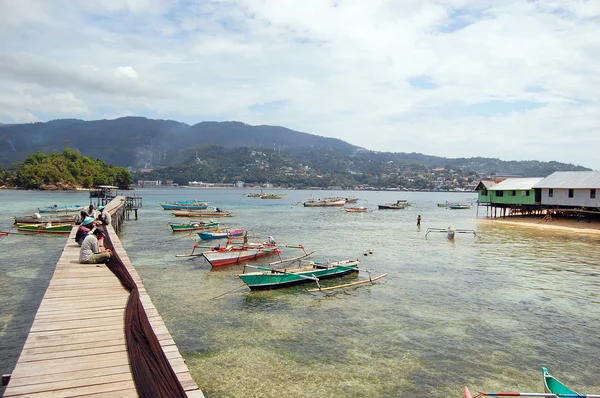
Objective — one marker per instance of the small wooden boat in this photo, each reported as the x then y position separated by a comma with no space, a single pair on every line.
208,235
61,209
360,209
201,213
232,255
55,229
185,205
55,219
271,278
325,202
391,206
194,226
459,206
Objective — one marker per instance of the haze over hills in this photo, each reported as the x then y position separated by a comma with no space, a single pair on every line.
141,143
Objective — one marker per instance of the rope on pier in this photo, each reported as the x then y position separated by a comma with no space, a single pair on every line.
150,367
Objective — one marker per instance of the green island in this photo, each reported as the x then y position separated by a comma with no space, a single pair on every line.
64,171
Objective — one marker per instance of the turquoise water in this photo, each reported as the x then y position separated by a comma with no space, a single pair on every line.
487,312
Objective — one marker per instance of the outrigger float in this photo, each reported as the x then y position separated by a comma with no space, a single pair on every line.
451,232
552,388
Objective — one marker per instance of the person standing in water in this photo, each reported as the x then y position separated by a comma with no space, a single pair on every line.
419,220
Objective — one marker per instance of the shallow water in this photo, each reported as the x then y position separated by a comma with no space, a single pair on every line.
485,311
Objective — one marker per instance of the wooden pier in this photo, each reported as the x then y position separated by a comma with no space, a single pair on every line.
77,344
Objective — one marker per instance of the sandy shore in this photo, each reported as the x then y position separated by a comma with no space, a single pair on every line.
558,224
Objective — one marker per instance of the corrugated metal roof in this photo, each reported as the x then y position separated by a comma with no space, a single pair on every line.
516,184
571,179
486,184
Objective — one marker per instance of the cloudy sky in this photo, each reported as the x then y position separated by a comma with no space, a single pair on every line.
509,79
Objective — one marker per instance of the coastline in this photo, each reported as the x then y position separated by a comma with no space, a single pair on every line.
556,224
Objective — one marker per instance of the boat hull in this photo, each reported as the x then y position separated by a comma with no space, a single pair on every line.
41,229
219,258
194,227
273,280
56,219
60,209
180,206
356,209
220,235
325,203
390,207
186,213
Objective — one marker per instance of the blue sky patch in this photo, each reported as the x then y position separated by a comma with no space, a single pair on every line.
423,82
461,18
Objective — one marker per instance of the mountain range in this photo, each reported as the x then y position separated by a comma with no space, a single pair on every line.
141,143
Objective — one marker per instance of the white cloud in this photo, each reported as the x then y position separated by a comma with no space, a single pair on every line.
508,79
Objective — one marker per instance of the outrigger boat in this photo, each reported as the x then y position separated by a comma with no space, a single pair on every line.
56,219
231,254
194,226
325,202
314,271
392,206
58,229
552,388
202,213
208,235
451,232
185,205
60,209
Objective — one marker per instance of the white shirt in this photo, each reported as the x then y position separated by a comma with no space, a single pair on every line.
88,247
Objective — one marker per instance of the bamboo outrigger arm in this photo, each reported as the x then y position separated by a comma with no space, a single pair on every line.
320,289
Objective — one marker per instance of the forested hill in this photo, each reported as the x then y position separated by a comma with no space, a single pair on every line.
172,146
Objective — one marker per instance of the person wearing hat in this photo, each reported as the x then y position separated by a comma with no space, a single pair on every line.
104,216
84,229
90,252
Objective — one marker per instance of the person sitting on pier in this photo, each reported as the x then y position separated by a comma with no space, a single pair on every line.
91,212
104,216
81,217
90,252
84,229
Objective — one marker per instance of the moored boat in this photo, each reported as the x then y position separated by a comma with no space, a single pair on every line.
55,219
229,255
60,209
391,206
458,206
185,205
194,226
201,213
325,202
360,209
58,229
208,235
271,278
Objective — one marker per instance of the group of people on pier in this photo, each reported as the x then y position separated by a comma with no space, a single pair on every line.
90,235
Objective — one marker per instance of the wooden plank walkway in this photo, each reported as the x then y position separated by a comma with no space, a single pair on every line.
76,345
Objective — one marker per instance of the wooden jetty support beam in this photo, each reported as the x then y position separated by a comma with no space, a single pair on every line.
77,344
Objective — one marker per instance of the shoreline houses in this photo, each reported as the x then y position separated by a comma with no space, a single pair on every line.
568,193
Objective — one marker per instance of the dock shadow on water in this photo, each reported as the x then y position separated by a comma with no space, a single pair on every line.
485,312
